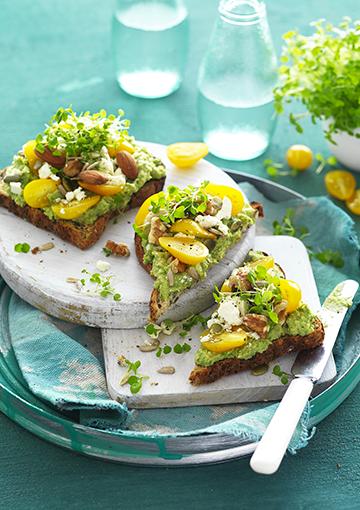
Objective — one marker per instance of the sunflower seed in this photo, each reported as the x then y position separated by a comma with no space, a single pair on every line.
166,370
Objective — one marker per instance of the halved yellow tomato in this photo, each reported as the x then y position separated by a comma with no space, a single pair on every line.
185,249
291,292
225,341
123,145
235,195
36,192
225,287
190,227
340,184
186,154
353,204
105,190
29,151
74,209
267,262
144,209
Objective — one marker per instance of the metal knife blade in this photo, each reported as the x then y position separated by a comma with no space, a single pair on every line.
311,363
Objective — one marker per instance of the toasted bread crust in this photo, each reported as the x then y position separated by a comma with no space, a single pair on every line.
82,236
279,347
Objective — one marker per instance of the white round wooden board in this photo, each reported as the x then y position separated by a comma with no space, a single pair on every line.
41,279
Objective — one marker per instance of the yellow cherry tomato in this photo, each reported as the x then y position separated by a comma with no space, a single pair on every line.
185,249
299,157
225,287
235,195
225,341
123,145
105,190
353,204
340,184
29,151
186,154
291,293
190,227
144,208
74,209
267,262
36,192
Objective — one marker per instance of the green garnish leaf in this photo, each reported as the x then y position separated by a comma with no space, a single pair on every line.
167,349
22,248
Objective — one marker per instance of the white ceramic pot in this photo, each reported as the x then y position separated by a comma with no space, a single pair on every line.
346,149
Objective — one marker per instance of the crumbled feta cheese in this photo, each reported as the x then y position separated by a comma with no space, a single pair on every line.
118,178
46,173
229,312
102,265
69,196
226,208
15,187
79,194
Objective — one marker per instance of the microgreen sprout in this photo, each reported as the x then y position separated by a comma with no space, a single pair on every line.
323,162
286,227
22,248
102,285
81,135
167,327
131,376
180,203
283,376
107,252
192,321
274,169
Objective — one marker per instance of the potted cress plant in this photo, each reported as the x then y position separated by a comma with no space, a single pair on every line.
322,71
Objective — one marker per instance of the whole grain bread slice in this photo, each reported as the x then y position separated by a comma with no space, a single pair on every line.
82,236
277,348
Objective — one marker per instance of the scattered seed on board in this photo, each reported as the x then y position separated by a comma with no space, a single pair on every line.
149,347
72,280
166,370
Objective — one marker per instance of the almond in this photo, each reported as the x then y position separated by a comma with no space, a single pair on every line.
73,167
92,177
127,164
49,157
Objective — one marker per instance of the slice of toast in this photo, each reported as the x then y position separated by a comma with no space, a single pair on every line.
82,236
279,347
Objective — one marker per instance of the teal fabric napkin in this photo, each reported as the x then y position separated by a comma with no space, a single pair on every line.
62,371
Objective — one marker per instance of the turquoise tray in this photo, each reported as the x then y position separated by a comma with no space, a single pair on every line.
21,406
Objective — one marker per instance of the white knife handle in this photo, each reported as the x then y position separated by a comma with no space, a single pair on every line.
272,446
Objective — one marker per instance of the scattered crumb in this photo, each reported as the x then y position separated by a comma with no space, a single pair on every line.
35,250
117,249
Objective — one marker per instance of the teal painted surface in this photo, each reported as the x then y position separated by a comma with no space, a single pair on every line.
57,53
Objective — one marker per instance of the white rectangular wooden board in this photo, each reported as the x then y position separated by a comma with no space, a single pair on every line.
174,390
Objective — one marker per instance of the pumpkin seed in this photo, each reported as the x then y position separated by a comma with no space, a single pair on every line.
215,329
260,370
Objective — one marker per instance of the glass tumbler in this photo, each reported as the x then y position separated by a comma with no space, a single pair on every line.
149,45
236,81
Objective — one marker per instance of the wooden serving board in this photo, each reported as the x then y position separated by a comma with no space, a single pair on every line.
162,390
41,279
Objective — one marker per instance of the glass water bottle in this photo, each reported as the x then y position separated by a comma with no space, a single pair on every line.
149,45
236,82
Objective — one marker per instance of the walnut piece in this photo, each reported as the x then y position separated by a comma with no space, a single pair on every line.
257,323
117,249
177,266
157,230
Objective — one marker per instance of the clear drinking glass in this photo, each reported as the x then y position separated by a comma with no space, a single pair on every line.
236,80
150,42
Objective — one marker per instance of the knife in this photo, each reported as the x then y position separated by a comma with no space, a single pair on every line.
307,369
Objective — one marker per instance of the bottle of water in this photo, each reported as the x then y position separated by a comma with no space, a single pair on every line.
150,42
236,80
